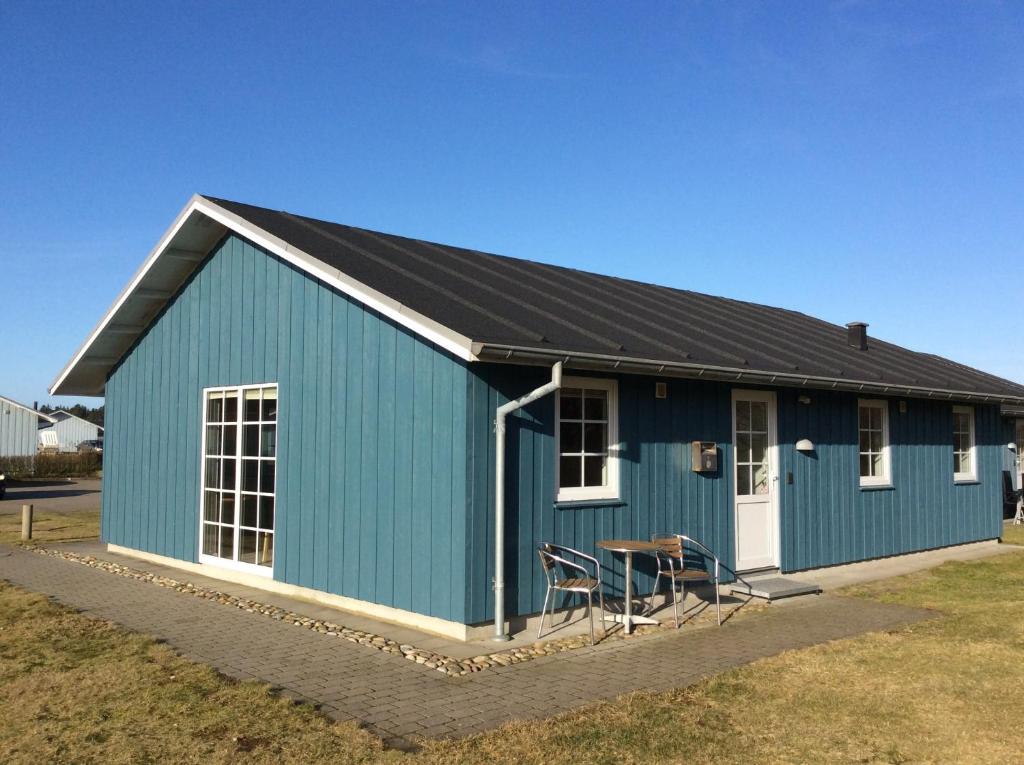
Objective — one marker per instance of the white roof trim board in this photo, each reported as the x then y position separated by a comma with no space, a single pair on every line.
15,404
86,373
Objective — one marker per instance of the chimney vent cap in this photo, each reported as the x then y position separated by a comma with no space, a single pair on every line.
857,335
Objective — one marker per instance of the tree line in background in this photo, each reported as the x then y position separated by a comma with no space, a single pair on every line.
95,416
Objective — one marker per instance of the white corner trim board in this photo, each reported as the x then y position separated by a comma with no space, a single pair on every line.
432,624
454,342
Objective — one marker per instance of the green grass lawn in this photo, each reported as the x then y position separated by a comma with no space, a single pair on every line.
945,690
51,526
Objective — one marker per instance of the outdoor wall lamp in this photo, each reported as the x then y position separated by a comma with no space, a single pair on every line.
1012,446
805,445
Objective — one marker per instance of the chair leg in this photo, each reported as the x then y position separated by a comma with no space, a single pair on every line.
675,605
543,612
650,600
600,600
590,611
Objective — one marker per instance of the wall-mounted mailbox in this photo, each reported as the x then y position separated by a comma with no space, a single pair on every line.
704,456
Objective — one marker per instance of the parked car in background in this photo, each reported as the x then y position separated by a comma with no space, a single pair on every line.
93,445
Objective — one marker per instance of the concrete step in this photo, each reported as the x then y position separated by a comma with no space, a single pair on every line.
773,587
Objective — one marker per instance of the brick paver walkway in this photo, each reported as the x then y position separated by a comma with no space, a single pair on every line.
398,699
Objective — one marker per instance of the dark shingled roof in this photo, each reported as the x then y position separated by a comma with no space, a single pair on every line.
502,301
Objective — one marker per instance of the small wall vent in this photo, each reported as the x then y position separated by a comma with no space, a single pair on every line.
660,390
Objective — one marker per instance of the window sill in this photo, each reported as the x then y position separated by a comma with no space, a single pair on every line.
574,504
968,481
877,487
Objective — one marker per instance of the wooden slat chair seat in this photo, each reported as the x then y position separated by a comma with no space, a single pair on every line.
575,578
675,554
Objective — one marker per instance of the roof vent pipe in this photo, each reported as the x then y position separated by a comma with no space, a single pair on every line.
857,335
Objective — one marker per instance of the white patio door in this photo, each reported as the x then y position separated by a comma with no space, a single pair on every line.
756,479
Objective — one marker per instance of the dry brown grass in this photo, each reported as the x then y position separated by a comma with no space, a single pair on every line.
946,690
52,526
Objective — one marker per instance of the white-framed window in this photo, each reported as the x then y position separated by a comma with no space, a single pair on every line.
239,475
587,440
873,438
964,456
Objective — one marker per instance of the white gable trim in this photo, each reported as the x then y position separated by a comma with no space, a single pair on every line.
16,405
453,342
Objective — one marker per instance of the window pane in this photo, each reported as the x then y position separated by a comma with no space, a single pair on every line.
227,542
267,476
209,539
758,448
249,503
876,417
227,508
268,441
594,405
743,447
865,465
595,437
743,480
211,503
230,407
250,473
251,413
864,418
267,513
875,440
742,415
266,550
865,440
876,465
270,404
247,546
250,440
571,403
229,475
570,437
594,470
213,474
570,471
214,408
965,463
230,440
759,416
213,433
760,479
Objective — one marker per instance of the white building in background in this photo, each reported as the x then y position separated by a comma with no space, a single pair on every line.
19,426
70,431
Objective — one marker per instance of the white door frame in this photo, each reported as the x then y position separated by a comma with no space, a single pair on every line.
773,471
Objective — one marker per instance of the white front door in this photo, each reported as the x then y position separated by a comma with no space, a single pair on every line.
755,479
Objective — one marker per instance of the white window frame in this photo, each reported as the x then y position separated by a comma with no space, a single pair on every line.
610,491
884,480
970,476
215,560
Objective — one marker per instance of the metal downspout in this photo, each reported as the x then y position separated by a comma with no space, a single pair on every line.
500,633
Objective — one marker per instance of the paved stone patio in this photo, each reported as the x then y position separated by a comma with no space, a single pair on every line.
400,700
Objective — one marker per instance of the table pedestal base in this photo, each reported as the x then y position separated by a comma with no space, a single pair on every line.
630,620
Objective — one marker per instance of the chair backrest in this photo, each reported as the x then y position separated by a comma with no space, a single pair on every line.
670,545
547,560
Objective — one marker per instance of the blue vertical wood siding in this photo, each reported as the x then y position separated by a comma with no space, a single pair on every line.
828,519
825,517
659,492
372,433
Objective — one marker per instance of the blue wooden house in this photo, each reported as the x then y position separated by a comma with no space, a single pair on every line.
310,407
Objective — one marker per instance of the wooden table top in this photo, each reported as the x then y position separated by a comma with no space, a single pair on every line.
628,545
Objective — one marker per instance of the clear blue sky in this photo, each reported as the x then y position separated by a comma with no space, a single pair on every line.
856,161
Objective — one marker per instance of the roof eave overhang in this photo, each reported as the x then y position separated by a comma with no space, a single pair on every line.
180,251
511,354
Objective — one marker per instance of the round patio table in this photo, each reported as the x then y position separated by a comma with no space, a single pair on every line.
627,547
